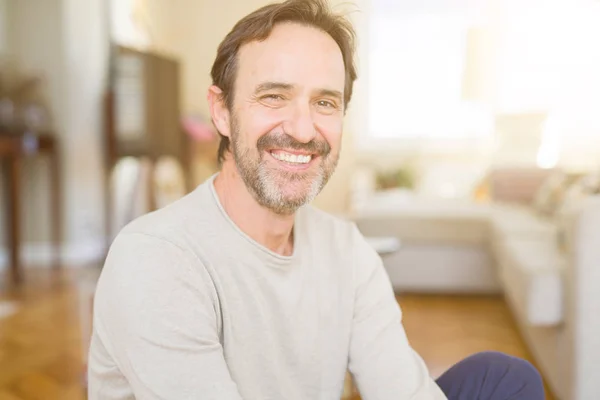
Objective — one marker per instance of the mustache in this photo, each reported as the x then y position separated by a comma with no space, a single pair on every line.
285,141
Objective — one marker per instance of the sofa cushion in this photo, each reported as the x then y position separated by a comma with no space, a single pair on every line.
510,222
532,275
516,184
422,222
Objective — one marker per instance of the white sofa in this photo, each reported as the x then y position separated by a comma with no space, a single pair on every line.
551,279
444,244
548,270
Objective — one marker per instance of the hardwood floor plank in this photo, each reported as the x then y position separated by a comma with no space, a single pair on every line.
6,395
37,386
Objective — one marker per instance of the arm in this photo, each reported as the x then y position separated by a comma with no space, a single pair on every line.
383,364
155,311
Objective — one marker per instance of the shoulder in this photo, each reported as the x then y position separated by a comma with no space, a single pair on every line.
176,222
144,262
149,286
144,272
156,247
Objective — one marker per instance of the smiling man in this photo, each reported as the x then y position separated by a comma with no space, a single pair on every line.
241,290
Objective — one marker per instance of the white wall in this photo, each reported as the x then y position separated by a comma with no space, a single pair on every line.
86,51
37,52
68,48
3,27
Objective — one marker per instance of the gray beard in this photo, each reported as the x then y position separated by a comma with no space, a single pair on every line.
265,184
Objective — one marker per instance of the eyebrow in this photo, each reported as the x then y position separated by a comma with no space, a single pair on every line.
331,93
262,87
265,86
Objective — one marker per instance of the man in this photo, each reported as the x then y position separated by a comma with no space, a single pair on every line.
242,291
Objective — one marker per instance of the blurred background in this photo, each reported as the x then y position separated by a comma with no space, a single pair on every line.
471,160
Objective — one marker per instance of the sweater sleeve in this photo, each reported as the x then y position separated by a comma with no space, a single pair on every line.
155,313
382,362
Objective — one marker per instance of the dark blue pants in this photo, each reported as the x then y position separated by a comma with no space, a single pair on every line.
492,376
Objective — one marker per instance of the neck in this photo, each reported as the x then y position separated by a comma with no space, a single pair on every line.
272,230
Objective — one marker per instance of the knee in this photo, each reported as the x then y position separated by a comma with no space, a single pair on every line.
495,359
493,376
515,367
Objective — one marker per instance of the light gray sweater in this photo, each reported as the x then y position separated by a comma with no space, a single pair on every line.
190,307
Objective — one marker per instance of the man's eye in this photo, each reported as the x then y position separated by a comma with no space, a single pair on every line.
273,97
327,107
326,104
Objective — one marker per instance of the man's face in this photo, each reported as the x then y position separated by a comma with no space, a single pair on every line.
287,115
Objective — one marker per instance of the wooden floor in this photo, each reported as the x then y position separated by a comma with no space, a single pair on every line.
41,352
446,329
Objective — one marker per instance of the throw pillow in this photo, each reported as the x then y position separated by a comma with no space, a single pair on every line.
574,197
550,194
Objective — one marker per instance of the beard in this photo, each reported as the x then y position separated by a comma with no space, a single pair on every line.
278,190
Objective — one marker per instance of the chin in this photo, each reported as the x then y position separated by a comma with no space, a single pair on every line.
287,199
301,188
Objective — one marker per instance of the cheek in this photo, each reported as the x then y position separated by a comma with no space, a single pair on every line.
259,121
331,129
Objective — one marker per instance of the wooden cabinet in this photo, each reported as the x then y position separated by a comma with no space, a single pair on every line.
143,113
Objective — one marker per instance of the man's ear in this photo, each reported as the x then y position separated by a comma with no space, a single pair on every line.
218,110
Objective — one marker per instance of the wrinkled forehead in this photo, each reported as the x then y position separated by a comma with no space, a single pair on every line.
300,55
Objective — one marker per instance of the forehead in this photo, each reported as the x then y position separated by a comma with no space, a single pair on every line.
295,54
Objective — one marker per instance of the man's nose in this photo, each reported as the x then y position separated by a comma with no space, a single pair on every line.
300,124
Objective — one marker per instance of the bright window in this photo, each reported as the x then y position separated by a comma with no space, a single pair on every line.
416,71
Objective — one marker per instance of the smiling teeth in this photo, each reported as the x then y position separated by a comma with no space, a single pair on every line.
292,158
